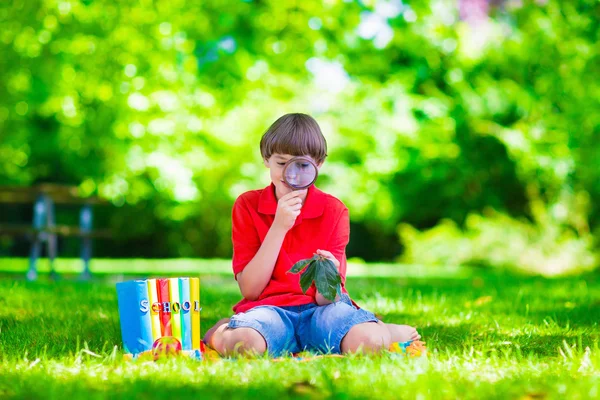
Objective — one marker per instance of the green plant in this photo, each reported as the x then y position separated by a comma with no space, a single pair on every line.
323,272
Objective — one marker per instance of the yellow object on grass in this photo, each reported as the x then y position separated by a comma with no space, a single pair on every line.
175,309
195,298
412,348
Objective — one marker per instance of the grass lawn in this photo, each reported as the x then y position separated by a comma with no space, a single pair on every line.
490,335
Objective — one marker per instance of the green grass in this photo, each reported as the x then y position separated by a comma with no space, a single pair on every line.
490,335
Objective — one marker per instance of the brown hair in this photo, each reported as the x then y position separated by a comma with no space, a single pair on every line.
294,134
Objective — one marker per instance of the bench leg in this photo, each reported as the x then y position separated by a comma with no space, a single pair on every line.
51,246
85,224
39,218
34,254
51,240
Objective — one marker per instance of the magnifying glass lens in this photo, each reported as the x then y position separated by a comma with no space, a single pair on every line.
300,173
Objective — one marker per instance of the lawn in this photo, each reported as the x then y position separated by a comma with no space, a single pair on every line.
489,334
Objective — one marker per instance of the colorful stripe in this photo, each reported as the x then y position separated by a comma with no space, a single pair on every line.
154,309
133,303
195,311
162,286
175,307
185,313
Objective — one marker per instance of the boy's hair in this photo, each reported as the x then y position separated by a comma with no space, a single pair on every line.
294,134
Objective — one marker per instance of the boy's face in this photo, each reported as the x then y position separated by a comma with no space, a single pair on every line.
275,163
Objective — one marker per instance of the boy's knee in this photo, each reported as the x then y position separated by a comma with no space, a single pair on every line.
368,337
243,340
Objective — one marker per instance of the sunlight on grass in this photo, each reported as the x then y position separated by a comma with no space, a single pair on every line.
489,335
444,374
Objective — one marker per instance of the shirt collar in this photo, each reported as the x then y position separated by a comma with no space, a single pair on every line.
313,205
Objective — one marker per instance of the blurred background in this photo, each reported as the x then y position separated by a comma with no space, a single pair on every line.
459,131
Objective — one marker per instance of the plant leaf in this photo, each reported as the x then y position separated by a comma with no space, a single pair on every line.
327,279
308,276
299,266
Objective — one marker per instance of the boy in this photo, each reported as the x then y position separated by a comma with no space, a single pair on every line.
272,229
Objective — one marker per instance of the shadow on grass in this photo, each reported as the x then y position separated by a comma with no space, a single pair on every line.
40,386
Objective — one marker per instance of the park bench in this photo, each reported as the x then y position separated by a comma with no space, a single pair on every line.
45,230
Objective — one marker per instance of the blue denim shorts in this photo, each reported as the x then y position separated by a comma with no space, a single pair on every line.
310,327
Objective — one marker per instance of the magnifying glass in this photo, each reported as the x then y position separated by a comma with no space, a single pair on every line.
300,172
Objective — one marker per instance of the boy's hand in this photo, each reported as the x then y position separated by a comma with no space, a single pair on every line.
288,208
322,301
329,256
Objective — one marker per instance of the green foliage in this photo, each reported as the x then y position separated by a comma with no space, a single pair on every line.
308,276
500,241
322,272
300,265
327,279
161,111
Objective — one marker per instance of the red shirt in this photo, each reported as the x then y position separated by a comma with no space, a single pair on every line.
323,224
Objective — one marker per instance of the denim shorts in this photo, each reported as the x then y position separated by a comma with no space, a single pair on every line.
310,327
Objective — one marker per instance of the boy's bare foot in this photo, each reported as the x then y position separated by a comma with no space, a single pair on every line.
209,333
402,333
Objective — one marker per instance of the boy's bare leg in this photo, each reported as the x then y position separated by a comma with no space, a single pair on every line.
238,341
402,333
211,331
367,337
